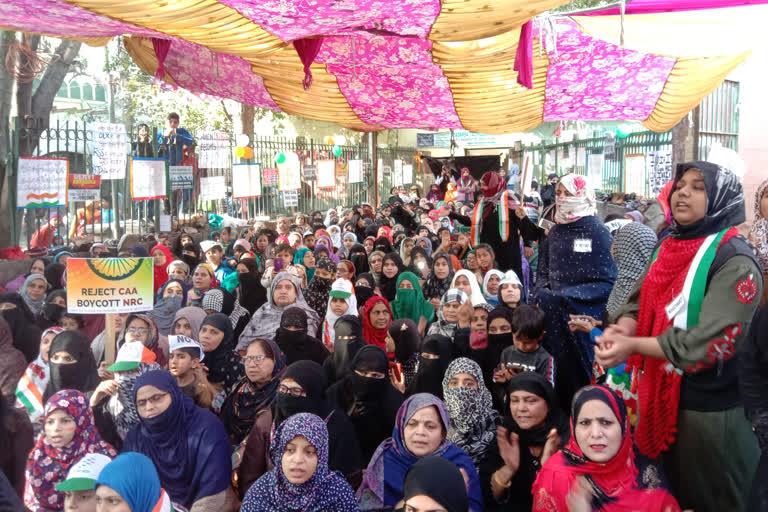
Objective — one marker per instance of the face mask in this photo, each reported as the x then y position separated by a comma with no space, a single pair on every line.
500,339
52,312
288,405
367,389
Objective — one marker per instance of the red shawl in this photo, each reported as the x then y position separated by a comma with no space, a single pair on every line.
372,335
659,386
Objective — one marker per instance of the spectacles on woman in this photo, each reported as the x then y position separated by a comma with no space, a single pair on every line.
297,392
253,359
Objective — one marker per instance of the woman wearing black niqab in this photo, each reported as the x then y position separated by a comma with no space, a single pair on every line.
293,340
440,480
405,334
388,285
71,364
383,244
431,369
223,363
370,402
359,259
54,274
250,293
349,340
21,320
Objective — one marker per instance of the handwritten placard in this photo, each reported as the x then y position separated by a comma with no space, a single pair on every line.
213,188
397,176
660,170
355,168
246,181
109,155
148,178
290,198
181,177
326,173
41,182
214,150
309,173
269,176
289,173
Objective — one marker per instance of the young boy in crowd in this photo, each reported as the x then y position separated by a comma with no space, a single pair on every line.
79,487
214,255
184,365
282,262
341,301
527,354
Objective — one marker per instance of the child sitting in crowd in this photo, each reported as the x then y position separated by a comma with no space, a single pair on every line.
527,355
184,364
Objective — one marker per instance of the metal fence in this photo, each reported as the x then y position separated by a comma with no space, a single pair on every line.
71,140
573,157
717,119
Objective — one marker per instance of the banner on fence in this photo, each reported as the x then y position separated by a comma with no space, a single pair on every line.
290,198
148,180
595,170
109,154
659,170
213,148
246,181
355,168
581,157
213,188
269,176
610,145
634,174
109,285
397,175
309,173
83,187
41,182
326,173
289,173
407,173
181,177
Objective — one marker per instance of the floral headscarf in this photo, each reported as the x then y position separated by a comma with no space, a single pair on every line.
759,230
580,204
48,466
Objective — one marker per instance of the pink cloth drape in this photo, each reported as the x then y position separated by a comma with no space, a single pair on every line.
524,57
308,50
655,6
161,47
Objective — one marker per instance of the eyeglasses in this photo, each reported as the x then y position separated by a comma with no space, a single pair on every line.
138,330
252,359
154,400
297,392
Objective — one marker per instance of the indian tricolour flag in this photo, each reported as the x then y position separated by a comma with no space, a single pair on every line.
29,395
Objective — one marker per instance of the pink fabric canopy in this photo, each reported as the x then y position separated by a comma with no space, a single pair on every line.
655,6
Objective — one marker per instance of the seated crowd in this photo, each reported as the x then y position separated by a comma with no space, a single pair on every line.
433,354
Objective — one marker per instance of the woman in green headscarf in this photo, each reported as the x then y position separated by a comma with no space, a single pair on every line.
305,258
410,302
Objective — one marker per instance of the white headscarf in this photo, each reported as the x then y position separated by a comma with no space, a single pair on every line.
476,297
580,204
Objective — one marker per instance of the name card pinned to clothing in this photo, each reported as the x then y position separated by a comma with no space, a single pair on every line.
582,245
676,307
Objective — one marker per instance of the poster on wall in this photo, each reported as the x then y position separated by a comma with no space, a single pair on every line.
289,173
290,198
309,173
634,174
180,177
397,173
109,155
41,182
581,157
355,168
609,145
246,181
83,187
326,173
213,188
148,178
659,170
214,150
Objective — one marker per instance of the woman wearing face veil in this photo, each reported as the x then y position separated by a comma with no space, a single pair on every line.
302,389
21,320
71,364
368,398
359,259
293,340
533,429
349,340
435,356
249,292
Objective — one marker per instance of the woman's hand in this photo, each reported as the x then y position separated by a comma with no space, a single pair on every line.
465,314
104,373
435,302
503,374
106,388
520,212
422,326
551,446
399,384
580,497
509,448
613,348
583,323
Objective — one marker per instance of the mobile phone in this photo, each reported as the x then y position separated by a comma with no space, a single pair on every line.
397,369
278,264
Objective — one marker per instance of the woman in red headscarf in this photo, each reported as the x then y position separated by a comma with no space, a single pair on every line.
377,315
161,258
498,220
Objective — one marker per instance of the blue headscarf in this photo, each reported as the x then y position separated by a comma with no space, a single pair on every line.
187,444
60,254
134,478
383,481
325,489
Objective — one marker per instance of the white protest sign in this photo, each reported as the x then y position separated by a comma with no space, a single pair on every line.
109,150
407,173
213,188
397,174
180,176
634,174
595,174
41,182
355,171
148,178
246,181
326,173
213,148
289,177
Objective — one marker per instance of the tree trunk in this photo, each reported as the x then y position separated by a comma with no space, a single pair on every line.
6,97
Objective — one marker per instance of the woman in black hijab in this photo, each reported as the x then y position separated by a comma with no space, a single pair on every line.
436,355
405,335
225,368
249,292
349,340
293,340
359,258
383,244
54,274
190,254
71,364
53,310
388,283
21,320
533,429
368,398
439,480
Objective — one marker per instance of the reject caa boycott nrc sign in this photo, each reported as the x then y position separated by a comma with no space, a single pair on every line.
109,285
